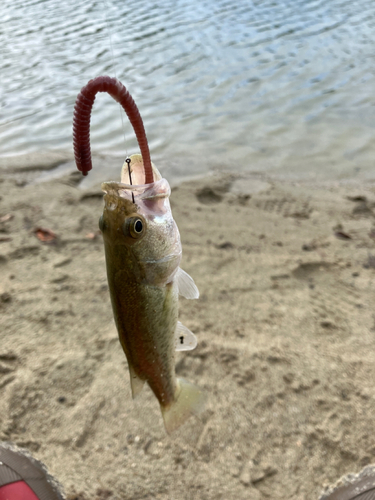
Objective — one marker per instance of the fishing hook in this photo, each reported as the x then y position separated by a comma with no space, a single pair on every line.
128,161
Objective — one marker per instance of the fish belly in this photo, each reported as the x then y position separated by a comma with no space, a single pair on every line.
146,319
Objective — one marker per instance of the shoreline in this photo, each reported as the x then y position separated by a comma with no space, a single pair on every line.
285,331
55,164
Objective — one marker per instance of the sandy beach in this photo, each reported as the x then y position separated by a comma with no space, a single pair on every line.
286,332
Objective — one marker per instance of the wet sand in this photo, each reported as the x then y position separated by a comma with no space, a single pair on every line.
286,333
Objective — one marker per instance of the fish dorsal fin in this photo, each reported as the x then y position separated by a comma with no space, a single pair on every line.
185,340
186,286
136,383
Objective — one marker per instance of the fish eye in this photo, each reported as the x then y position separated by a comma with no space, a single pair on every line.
102,224
134,227
138,226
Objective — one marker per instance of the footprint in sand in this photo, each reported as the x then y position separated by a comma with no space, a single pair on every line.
285,206
363,208
8,365
334,303
208,196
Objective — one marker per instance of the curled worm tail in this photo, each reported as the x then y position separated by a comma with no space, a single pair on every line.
81,122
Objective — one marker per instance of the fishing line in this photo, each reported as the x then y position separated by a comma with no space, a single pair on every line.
114,69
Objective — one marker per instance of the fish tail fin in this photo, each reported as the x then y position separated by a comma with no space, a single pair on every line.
190,401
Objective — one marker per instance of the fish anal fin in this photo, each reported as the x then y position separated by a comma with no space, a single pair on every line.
190,401
185,340
136,383
186,286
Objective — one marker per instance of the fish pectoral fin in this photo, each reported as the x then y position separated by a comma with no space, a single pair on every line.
184,339
136,383
186,286
189,401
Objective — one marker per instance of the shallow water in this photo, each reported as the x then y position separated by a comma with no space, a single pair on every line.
278,86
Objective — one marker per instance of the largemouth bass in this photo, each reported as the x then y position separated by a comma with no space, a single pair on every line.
143,253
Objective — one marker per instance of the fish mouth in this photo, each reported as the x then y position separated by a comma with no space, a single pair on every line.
131,195
152,191
131,186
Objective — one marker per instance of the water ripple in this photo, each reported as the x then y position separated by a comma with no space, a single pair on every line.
214,78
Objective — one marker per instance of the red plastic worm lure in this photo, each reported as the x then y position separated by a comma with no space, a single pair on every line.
81,122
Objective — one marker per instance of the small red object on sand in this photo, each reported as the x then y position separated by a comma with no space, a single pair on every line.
45,235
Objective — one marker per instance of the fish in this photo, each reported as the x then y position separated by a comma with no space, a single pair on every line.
143,254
